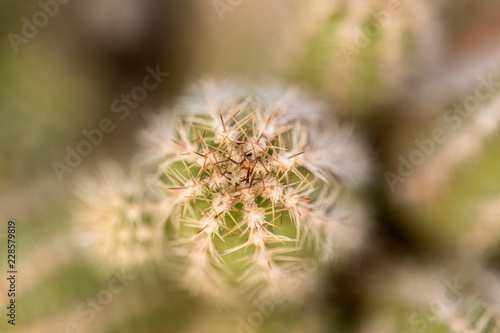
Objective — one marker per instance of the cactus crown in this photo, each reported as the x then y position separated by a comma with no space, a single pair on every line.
241,189
245,188
241,179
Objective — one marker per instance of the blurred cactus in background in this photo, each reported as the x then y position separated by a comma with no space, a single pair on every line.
362,54
115,220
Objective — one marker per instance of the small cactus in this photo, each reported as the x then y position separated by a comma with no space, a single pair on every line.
114,220
248,185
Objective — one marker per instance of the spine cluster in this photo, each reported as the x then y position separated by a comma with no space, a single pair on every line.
241,184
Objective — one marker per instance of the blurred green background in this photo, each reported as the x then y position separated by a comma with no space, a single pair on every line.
396,84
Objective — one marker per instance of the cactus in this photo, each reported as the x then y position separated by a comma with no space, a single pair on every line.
115,220
244,185
361,54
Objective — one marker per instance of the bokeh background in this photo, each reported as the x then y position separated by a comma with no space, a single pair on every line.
397,69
